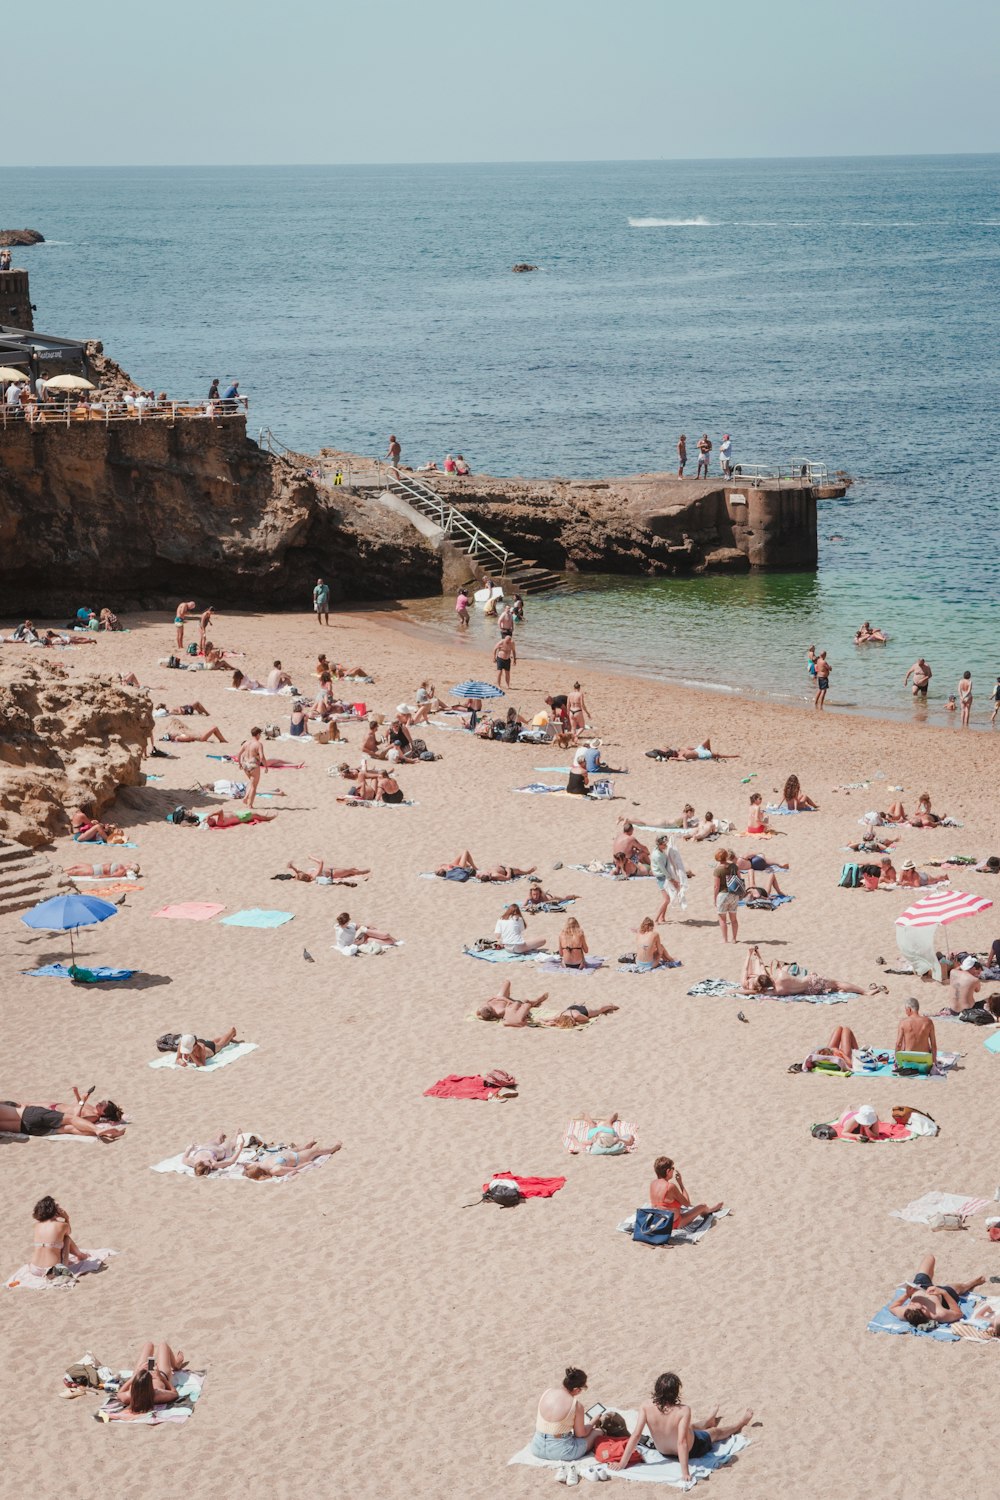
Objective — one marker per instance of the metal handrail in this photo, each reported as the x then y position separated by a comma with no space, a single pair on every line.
799,470
69,413
452,520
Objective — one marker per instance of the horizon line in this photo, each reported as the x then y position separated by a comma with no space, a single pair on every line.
493,161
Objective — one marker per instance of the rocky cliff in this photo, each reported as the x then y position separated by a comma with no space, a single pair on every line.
63,744
139,515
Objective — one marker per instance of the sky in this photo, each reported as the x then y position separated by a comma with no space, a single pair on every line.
361,81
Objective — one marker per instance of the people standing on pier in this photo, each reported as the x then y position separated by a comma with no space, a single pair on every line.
965,697
682,455
180,618
393,453
213,390
921,674
704,452
822,679
726,455
321,601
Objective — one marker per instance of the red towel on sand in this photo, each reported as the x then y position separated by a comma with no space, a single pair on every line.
530,1187
457,1086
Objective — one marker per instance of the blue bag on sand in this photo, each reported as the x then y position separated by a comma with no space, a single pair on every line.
653,1226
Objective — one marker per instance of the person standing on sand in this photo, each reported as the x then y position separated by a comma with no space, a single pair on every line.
505,656
822,679
180,618
726,455
204,621
704,450
393,453
321,601
682,455
252,760
921,674
462,610
965,697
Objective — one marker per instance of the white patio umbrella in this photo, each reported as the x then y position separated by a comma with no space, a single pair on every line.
916,927
7,372
69,383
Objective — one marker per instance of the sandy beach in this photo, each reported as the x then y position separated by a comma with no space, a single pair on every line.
358,1325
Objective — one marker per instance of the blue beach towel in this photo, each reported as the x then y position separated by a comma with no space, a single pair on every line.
886,1322
992,1043
537,788
501,956
776,901
255,917
675,963
787,812
61,971
730,988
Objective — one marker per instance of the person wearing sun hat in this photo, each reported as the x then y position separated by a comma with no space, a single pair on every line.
862,1123
966,982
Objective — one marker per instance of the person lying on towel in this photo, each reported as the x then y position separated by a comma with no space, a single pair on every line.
922,1303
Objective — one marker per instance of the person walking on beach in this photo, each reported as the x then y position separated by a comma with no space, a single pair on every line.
682,455
393,453
704,449
996,702
965,697
726,455
921,674
252,759
321,601
180,617
505,655
822,679
462,610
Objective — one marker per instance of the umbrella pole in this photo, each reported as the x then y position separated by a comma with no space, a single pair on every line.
72,950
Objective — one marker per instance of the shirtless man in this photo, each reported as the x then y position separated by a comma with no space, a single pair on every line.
704,829
703,751
965,983
106,871
630,857
180,618
324,872
509,1012
667,1191
922,1301
682,455
921,674
101,1119
822,680
195,1052
916,1032
277,678
672,1429
704,451
204,621
505,623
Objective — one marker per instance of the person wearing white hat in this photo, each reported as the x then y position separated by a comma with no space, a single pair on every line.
195,1052
910,876
965,982
862,1123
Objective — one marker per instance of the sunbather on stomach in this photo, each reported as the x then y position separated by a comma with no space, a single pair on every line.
103,871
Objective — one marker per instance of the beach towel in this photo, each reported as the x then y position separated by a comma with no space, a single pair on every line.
109,892
729,988
552,965
606,870
654,1469
789,812
255,917
222,1058
502,956
460,1086
923,1210
888,1130
992,1043
886,1322
637,968
769,903
95,879
886,1068
365,802
25,1280
690,1236
191,911
248,1155
530,1187
189,1384
62,971
576,1143
537,788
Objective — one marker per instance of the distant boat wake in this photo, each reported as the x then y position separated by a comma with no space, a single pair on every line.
699,222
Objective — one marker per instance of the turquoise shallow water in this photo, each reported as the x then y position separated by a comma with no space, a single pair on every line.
841,310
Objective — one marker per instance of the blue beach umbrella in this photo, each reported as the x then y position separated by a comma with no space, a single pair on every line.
67,913
476,690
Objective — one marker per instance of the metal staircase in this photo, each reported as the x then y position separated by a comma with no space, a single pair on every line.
490,556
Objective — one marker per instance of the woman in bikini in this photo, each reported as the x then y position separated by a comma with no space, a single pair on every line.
923,817
152,1382
213,1155
195,1052
252,759
667,1191
325,873
53,1239
649,950
504,1008
795,799
576,705
245,684
573,945
285,1161
577,1015
757,821
181,736
85,829
602,1139
104,871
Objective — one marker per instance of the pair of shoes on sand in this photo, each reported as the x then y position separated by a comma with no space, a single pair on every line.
571,1474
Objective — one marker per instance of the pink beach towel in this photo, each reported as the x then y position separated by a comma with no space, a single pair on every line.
191,911
888,1130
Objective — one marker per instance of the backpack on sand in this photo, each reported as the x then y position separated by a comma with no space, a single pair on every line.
168,1042
506,1194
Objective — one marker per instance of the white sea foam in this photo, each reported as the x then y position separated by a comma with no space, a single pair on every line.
700,222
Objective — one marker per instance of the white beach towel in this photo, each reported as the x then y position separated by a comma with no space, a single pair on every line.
922,1210
23,1279
690,1236
247,1155
222,1058
654,1469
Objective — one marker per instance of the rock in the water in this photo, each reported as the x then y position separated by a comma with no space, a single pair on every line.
21,237
523,266
64,743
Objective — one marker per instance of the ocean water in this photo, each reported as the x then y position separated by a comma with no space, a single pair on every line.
841,310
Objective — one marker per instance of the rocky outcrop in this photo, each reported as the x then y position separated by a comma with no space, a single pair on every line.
21,237
522,265
139,515
63,744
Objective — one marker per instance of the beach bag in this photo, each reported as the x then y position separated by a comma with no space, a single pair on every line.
603,788
901,1114
498,1079
653,1226
735,887
168,1041
976,1015
177,816
850,877
870,882
420,747
192,649
948,1221
824,1133
173,661
610,1451
506,1194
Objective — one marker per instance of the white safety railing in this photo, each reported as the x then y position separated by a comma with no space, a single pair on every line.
797,470
451,520
107,409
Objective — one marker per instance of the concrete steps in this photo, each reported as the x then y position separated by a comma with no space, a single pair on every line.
27,878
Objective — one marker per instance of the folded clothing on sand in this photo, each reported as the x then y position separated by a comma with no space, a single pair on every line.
606,870
26,1280
654,1468
529,1187
463,1086
189,1384
222,1058
886,1322
580,1137
885,1064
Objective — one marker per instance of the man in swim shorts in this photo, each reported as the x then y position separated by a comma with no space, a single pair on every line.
921,674
321,601
923,1301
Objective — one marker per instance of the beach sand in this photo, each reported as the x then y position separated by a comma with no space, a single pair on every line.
363,1331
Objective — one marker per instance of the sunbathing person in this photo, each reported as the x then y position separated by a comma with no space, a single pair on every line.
763,890
53,1243
602,1139
101,1120
650,952
511,929
129,679
160,710
776,978
371,744
707,827
629,856
703,751
542,900
463,867
105,871
181,736
673,1430
577,1015
244,683
840,1049
667,1191
504,1008
214,1155
152,1382
911,878
427,702
286,1161
195,1052
230,819
215,659
916,1032
795,799
924,817
573,947
561,1427
85,829
922,1301
349,936
325,872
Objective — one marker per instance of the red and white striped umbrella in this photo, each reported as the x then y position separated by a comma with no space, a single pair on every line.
942,906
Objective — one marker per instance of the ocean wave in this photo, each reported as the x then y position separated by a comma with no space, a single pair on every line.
700,222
